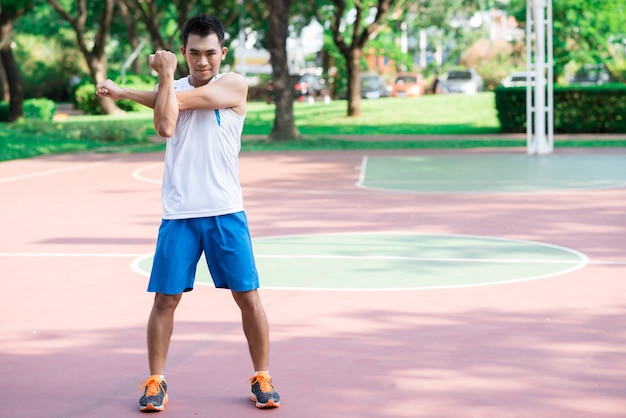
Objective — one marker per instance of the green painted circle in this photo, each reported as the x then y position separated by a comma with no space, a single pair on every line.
379,261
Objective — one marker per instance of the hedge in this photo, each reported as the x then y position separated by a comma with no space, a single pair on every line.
577,109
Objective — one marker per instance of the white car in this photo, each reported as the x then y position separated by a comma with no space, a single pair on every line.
461,81
518,79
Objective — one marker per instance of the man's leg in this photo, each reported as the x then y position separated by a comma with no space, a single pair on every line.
160,327
255,327
262,390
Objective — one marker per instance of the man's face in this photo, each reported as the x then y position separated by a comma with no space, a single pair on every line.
204,56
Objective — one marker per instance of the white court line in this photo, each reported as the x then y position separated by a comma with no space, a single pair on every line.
94,255
328,256
609,262
362,171
138,176
51,172
422,259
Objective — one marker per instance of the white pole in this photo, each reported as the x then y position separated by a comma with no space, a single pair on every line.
404,37
530,24
423,46
539,115
540,62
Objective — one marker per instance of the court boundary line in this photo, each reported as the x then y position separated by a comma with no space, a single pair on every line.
363,168
51,172
69,255
136,174
134,255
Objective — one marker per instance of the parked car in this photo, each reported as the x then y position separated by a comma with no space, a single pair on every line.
593,74
460,81
408,85
374,86
518,79
306,87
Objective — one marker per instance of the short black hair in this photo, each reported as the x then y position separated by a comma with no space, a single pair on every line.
203,25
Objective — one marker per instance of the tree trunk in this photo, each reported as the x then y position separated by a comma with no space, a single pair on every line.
284,121
149,11
4,84
352,50
16,91
354,84
98,70
95,56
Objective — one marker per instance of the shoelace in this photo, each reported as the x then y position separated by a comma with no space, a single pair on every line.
152,386
265,384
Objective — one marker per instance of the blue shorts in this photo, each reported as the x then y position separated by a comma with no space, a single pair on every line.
227,246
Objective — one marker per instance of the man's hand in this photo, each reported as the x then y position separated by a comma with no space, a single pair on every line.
163,62
109,89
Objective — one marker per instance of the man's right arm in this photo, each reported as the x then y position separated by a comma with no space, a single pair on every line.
111,90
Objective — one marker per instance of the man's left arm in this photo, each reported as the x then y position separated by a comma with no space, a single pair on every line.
230,91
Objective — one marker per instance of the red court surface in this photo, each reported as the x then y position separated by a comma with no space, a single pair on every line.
72,329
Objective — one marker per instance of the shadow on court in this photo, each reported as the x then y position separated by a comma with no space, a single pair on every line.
379,363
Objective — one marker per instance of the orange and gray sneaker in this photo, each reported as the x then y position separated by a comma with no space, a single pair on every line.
263,392
154,395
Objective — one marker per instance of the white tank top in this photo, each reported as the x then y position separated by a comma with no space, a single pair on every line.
201,175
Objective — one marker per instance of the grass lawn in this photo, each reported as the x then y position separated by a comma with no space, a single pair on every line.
319,123
433,114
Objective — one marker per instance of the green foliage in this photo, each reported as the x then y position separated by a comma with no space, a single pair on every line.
86,100
511,108
104,131
27,138
47,67
42,109
577,109
324,126
4,111
494,70
583,30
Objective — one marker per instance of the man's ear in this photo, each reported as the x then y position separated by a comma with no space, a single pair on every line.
224,52
182,50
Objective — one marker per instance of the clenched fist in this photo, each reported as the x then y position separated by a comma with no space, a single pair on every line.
108,88
163,62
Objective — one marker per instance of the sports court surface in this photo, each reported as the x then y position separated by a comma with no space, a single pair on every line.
475,283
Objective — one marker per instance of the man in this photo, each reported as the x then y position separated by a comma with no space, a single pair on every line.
202,117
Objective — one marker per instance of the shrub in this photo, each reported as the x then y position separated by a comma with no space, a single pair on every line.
113,131
85,99
43,109
33,109
577,109
85,96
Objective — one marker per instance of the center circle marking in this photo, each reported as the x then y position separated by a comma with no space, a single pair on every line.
397,261
391,261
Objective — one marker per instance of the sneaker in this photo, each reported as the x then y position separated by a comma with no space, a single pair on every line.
154,395
263,392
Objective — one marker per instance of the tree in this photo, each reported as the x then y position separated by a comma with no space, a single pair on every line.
582,29
9,11
164,19
95,56
351,39
284,121
153,14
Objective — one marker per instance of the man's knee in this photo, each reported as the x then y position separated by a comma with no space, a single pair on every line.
248,301
165,303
